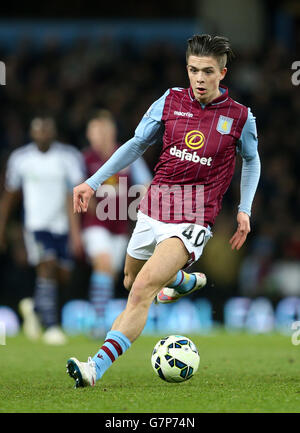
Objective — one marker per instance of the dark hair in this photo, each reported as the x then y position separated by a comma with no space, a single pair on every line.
212,46
102,114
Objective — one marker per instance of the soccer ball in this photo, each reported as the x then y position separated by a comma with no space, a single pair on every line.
175,358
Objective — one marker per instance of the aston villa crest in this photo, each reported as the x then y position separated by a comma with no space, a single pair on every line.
224,124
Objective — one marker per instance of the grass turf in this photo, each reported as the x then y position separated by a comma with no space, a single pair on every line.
237,373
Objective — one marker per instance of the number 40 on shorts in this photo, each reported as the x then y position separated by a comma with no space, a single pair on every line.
196,237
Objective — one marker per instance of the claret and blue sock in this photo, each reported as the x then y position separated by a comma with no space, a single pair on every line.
115,345
184,282
45,301
101,291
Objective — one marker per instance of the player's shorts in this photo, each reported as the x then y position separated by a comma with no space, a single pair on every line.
98,240
149,232
43,246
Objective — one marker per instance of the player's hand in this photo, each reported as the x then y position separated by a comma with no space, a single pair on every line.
242,231
81,197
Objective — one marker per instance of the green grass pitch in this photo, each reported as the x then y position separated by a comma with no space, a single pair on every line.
237,373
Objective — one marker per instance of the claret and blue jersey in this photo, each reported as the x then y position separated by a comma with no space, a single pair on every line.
200,143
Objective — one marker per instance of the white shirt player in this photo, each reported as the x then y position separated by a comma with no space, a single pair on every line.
45,178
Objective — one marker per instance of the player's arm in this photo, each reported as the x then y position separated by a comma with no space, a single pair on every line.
7,204
140,173
145,135
10,196
123,157
249,180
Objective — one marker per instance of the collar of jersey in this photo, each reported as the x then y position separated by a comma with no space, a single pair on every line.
222,98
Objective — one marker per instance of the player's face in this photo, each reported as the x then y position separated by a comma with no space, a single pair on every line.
94,133
205,76
101,134
42,132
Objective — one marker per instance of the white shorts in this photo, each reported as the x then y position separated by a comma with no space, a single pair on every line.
149,232
98,240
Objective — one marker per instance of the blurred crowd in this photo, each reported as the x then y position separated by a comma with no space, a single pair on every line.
70,82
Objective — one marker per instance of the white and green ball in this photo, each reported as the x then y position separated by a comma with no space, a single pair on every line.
175,358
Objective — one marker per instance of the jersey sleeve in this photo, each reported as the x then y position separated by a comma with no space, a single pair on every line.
13,178
248,140
251,164
150,126
140,173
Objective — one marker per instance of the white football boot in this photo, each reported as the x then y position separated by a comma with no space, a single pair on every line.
54,336
31,324
168,295
84,373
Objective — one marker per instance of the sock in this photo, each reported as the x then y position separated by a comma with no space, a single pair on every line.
184,282
101,291
45,301
115,344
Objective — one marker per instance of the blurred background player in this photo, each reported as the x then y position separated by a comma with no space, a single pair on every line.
105,240
45,170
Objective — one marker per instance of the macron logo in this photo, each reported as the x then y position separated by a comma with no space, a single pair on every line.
184,154
181,113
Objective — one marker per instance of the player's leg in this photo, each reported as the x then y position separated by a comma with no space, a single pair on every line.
41,309
84,373
97,244
194,237
61,278
101,289
46,292
131,269
105,253
183,281
168,257
40,314
183,284
53,255
140,249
